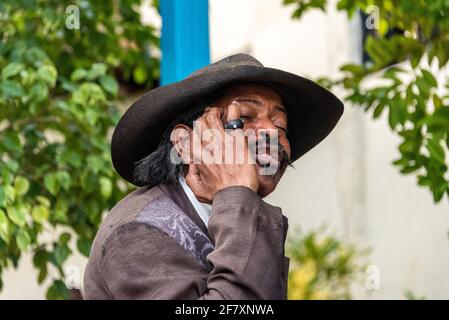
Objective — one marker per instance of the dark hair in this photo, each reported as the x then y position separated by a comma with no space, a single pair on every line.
157,167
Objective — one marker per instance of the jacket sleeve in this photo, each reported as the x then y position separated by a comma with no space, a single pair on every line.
141,262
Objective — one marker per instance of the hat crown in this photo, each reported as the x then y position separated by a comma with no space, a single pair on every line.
234,60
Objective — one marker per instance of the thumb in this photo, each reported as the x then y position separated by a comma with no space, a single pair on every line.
193,178
195,181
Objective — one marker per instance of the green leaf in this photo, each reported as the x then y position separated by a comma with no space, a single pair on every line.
71,157
2,198
97,70
109,84
12,69
89,95
437,102
18,215
48,73
60,210
423,86
105,187
23,240
439,120
40,258
408,146
84,246
378,51
397,113
4,226
429,78
64,238
58,291
442,53
95,163
39,92
11,141
12,164
40,214
21,185
92,116
42,275
64,179
43,201
436,150
60,254
10,193
438,190
12,88
78,74
3,218
51,183
378,110
355,69
140,74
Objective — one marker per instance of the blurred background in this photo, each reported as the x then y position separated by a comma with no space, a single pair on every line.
368,208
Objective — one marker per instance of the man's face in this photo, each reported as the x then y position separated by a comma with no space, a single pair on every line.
261,108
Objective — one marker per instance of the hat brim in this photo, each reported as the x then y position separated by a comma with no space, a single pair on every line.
313,111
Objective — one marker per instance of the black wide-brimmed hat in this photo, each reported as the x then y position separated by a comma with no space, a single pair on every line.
312,110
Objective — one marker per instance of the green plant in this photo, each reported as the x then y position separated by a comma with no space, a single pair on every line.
321,266
409,295
411,37
58,96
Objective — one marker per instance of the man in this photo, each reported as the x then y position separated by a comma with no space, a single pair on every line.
198,227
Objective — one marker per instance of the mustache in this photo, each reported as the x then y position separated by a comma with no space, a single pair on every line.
283,155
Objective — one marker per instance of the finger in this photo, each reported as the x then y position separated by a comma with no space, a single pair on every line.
196,143
201,123
233,111
193,178
213,118
196,182
193,170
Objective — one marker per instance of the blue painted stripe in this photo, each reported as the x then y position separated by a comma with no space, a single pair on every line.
185,38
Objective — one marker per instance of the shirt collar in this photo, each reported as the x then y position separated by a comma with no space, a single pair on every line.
203,209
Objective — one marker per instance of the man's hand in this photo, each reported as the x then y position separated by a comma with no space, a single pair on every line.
205,179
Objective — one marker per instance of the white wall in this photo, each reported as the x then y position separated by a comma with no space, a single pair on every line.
348,181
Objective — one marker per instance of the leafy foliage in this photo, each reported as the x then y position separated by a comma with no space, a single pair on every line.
409,295
58,104
405,61
321,266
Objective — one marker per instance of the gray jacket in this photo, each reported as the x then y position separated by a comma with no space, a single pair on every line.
153,245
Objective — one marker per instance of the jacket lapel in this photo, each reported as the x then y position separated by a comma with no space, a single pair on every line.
177,194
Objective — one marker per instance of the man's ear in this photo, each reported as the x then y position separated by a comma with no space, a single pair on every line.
180,137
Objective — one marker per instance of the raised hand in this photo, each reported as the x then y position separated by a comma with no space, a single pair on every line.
206,177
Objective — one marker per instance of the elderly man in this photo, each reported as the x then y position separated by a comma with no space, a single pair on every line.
198,228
